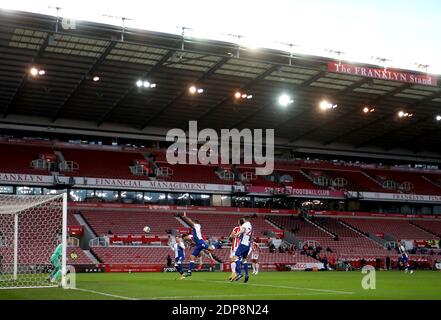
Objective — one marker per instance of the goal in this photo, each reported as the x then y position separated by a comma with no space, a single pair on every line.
31,227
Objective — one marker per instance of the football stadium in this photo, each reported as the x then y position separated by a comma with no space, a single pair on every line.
149,165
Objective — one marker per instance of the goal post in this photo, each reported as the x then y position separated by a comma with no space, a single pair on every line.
32,228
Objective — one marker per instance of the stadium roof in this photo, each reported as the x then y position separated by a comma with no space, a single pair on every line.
71,57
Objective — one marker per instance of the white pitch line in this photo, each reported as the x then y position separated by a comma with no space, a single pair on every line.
282,287
236,295
106,294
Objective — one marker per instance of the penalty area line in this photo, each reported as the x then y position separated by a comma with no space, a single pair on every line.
283,287
105,294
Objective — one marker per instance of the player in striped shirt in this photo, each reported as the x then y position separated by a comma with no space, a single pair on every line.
254,253
234,244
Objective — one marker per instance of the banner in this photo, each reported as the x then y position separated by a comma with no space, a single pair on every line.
294,192
136,239
299,266
351,214
318,193
127,184
75,230
397,197
130,267
383,74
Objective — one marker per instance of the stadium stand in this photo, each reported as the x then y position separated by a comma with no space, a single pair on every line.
356,181
302,229
267,257
102,164
248,177
99,162
75,255
137,254
216,225
406,182
397,229
126,223
433,227
349,243
18,158
299,180
191,173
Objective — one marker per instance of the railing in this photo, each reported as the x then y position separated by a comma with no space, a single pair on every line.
73,242
340,182
99,242
138,170
249,176
41,164
68,166
226,175
164,172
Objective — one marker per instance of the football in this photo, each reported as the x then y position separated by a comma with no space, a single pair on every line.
146,229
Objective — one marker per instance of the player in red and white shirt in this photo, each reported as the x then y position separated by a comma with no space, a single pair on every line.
254,253
235,241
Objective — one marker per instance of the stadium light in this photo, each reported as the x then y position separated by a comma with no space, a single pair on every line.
144,83
194,89
241,95
96,79
404,114
325,105
37,72
368,109
438,117
285,100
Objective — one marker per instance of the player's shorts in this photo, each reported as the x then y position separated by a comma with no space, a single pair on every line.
404,259
254,257
200,246
179,259
242,251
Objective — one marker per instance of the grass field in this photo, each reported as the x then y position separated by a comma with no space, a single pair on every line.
424,285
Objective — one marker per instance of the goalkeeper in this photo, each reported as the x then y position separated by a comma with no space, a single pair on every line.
55,276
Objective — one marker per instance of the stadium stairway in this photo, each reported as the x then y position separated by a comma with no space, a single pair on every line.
321,227
88,231
91,256
353,228
307,176
371,237
432,182
373,179
287,234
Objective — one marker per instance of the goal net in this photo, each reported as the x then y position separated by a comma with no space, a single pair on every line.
31,229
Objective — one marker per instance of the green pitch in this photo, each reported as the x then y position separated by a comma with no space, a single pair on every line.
267,285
